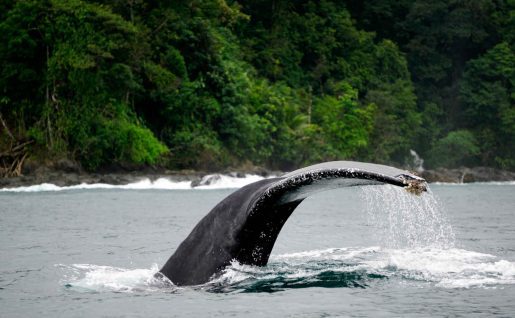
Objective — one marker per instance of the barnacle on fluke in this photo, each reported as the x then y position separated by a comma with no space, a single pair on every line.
416,186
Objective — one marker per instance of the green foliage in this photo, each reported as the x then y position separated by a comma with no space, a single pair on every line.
309,45
457,148
488,91
198,148
120,142
453,49
81,84
275,83
397,123
344,125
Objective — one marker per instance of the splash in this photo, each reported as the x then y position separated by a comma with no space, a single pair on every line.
96,278
367,267
303,270
404,220
450,268
418,163
348,267
220,181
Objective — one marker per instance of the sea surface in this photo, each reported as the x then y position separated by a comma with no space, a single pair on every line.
375,251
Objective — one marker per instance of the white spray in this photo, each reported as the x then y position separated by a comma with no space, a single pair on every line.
404,220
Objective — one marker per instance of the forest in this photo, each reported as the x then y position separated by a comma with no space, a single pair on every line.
209,84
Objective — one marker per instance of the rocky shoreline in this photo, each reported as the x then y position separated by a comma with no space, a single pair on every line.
65,173
467,175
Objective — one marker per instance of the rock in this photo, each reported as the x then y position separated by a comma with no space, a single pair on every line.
206,180
118,179
66,172
238,174
196,182
442,175
66,165
485,174
64,179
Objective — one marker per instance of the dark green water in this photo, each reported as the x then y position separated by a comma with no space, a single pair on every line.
91,253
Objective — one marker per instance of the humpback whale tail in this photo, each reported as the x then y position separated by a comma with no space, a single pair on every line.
245,225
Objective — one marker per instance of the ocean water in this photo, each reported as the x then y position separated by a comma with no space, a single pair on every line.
92,250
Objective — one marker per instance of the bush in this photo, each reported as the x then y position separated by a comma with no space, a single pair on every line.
121,142
197,148
457,148
345,126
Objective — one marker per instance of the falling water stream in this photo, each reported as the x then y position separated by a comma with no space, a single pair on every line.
405,220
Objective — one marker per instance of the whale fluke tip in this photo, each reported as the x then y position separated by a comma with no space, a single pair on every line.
413,183
416,186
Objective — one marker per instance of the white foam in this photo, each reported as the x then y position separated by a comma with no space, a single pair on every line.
443,268
344,253
89,277
236,273
219,182
227,182
449,268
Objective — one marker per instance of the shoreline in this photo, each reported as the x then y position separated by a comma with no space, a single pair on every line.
467,175
61,176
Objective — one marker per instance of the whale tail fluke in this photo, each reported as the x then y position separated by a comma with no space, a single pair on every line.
245,225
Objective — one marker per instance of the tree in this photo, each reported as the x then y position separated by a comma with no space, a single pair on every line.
457,148
488,92
83,75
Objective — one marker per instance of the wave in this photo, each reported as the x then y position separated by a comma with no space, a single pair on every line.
96,278
363,267
329,268
214,181
220,181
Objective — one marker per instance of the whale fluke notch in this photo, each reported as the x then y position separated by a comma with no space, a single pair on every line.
245,225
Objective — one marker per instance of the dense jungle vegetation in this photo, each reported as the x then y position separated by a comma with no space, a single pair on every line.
207,84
